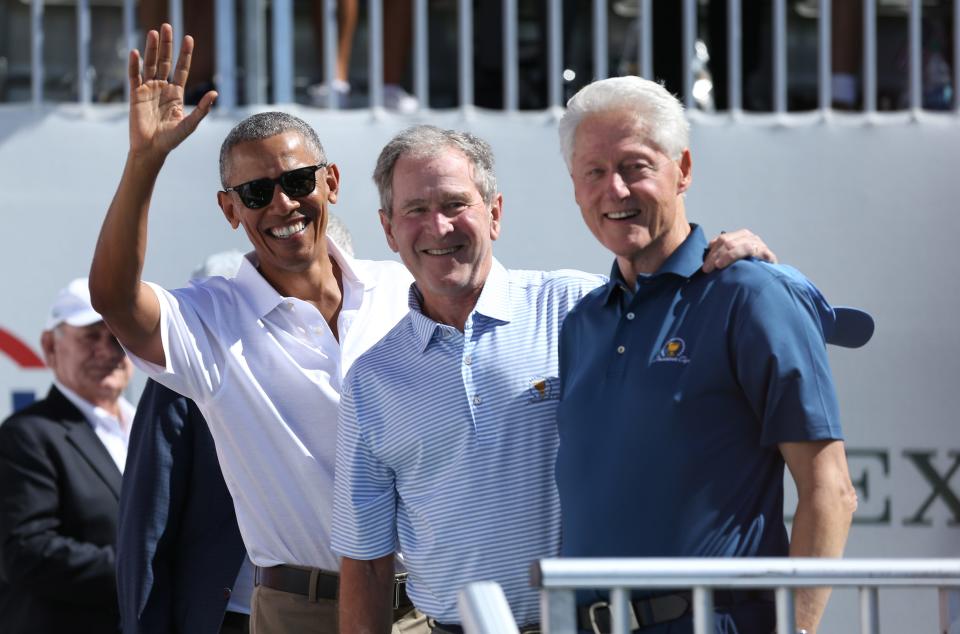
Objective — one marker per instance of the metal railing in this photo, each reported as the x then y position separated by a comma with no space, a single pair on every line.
281,74
483,609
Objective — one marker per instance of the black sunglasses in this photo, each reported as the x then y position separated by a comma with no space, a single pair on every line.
297,183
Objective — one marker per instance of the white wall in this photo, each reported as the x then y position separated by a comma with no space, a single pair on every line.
868,211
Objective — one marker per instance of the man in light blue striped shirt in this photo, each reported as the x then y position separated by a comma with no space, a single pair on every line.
447,433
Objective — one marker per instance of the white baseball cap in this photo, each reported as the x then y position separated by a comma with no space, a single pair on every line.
72,306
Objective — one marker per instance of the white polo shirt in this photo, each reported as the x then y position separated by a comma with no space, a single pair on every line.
266,372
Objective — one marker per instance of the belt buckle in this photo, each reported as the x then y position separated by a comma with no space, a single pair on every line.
399,580
633,624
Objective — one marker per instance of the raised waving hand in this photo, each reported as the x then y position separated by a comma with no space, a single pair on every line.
157,120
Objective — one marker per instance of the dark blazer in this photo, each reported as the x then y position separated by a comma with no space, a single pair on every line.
179,547
59,494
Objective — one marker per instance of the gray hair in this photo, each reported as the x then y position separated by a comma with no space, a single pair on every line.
338,232
427,141
659,111
264,125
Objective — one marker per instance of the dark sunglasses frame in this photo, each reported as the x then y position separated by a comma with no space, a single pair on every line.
258,193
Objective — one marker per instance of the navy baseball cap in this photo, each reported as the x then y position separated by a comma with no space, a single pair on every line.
845,326
841,325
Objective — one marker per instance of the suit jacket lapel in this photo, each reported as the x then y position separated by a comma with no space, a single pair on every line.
81,435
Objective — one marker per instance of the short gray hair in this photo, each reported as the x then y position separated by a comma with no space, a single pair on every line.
264,125
661,113
426,141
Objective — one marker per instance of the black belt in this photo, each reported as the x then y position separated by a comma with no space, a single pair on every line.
663,608
314,583
441,628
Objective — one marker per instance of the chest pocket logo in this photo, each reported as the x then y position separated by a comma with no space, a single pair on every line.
673,351
543,388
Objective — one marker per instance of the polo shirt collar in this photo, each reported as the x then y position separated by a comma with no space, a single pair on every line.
684,262
493,303
265,297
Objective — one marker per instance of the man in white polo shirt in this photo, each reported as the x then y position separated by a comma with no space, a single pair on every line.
262,354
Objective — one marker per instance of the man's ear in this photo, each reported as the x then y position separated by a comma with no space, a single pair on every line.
388,231
229,208
47,346
332,177
686,171
496,211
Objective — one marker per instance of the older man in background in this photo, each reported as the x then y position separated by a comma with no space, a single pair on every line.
61,461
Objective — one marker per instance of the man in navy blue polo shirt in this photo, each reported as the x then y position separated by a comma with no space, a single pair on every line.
684,392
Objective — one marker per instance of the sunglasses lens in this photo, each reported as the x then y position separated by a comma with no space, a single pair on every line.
256,194
299,182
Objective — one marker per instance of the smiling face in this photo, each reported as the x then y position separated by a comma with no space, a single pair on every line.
629,191
442,228
287,234
89,361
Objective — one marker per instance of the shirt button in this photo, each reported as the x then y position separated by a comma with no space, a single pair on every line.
317,329
288,305
468,360
476,400
630,316
621,349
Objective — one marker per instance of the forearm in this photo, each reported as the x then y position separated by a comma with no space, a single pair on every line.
365,595
820,529
128,306
121,248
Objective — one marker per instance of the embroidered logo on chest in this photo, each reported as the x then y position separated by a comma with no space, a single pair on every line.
542,389
673,351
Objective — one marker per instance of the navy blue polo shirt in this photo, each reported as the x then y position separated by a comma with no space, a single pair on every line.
674,398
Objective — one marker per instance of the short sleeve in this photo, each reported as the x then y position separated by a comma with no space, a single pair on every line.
780,360
194,362
365,498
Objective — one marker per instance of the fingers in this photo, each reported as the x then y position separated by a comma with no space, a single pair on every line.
764,253
192,120
133,70
150,51
183,62
165,58
727,248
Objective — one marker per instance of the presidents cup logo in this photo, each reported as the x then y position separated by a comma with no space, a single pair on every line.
543,388
673,351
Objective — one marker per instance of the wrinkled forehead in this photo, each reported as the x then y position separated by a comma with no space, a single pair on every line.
608,130
261,157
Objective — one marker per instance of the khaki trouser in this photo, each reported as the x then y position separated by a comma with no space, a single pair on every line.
276,612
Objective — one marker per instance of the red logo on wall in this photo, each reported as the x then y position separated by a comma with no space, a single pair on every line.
20,352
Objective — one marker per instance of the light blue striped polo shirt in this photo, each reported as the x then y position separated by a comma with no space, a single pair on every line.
447,443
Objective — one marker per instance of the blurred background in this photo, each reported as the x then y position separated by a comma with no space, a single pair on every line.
830,128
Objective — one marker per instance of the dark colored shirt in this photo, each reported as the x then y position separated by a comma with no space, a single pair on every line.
674,399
